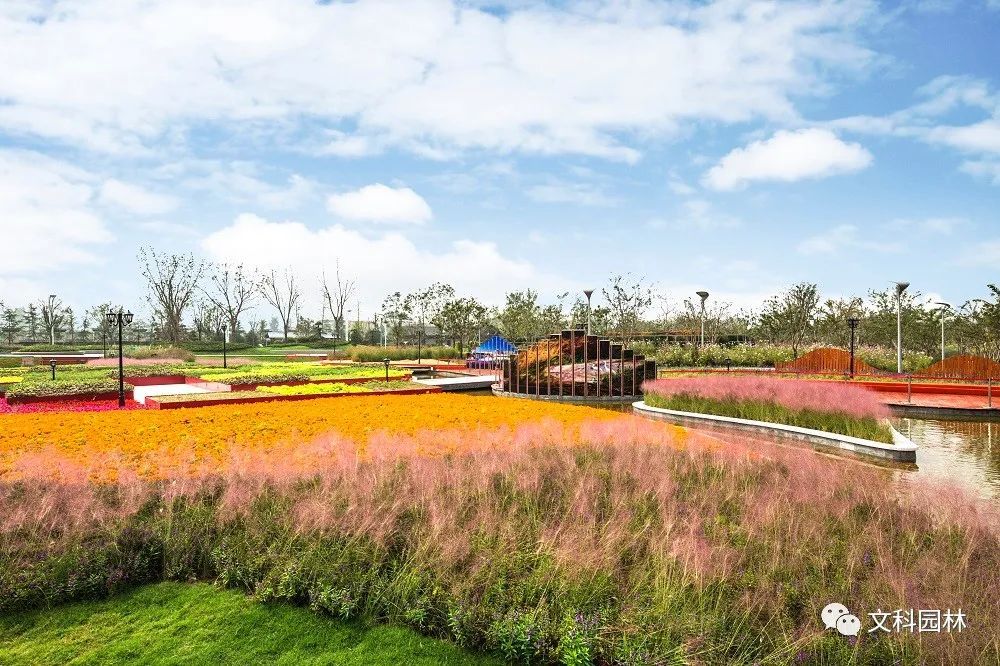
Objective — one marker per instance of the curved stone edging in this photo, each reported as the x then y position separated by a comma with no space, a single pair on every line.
902,450
575,399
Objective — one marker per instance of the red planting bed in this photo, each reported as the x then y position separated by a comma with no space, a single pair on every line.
67,405
81,397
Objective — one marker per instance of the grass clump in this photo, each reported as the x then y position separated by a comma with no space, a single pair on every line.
831,407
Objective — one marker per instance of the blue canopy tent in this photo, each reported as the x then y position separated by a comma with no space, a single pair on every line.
487,354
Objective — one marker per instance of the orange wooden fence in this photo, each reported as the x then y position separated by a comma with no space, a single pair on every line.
964,366
827,361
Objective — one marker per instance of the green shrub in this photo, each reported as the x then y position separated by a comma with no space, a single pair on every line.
176,353
374,354
69,388
10,363
214,346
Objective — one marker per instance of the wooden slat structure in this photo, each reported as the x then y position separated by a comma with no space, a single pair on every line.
573,364
964,366
827,361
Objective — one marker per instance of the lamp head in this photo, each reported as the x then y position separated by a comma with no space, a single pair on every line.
127,318
853,322
703,295
943,305
112,318
901,287
588,293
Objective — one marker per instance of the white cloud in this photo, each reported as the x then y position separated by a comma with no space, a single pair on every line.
239,181
842,237
981,137
788,156
432,76
380,203
680,188
988,169
381,264
983,253
930,225
696,214
580,194
46,218
135,199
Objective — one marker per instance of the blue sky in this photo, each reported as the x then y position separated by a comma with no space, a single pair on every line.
734,146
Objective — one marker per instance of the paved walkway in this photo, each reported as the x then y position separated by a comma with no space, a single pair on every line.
941,400
142,392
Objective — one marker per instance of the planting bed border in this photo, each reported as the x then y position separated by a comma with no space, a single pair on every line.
574,399
902,450
153,403
68,397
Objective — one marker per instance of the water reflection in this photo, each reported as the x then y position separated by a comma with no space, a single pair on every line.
964,452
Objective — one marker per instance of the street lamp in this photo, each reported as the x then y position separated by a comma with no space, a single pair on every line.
703,295
386,362
120,319
853,323
900,288
944,307
588,293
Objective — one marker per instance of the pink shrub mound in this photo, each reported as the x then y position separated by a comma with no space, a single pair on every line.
792,394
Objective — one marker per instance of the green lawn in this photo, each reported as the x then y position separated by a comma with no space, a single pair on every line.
176,623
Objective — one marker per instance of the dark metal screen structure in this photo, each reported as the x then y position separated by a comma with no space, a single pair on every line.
576,365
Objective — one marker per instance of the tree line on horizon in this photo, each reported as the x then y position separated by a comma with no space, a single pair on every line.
192,300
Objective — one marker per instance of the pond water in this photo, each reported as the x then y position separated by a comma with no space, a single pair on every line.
963,452
966,453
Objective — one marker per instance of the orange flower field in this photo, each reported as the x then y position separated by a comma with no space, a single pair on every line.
159,444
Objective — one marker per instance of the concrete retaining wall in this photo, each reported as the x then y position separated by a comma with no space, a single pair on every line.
902,450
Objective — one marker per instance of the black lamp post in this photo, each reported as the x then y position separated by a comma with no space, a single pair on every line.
104,335
52,364
386,362
120,319
853,323
729,364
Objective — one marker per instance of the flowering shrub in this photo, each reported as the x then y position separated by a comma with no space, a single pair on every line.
156,443
67,406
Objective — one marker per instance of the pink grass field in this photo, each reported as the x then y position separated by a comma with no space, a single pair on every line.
793,394
897,556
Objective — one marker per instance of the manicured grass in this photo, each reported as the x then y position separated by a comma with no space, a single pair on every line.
771,412
178,623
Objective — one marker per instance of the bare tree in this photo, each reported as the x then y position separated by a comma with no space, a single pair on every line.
337,298
53,315
282,294
172,280
233,292
628,301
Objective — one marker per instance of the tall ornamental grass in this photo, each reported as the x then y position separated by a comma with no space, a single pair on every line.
828,406
642,545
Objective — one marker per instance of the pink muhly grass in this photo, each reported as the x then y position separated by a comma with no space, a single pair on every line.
821,396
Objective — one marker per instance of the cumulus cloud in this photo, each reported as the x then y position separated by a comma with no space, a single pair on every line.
135,199
46,216
381,264
788,156
430,76
981,137
381,204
